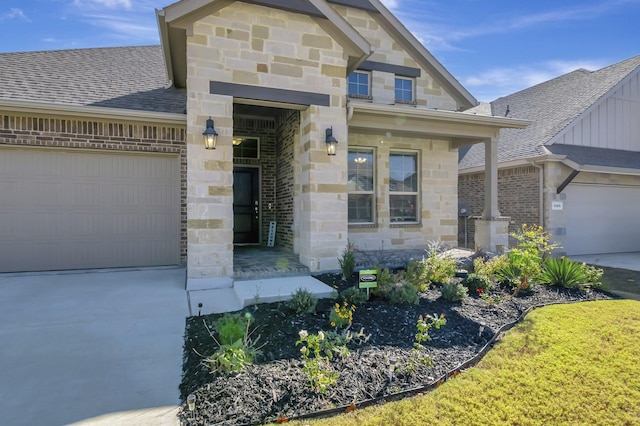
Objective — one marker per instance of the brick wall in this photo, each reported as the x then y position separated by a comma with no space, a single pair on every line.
518,198
288,126
71,132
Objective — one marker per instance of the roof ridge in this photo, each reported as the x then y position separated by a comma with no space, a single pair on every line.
80,49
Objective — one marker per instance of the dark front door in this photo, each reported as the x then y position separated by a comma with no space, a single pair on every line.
246,205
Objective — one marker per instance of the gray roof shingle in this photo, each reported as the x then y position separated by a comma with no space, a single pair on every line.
117,77
589,156
551,106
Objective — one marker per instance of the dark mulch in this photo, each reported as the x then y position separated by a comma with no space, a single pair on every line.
275,387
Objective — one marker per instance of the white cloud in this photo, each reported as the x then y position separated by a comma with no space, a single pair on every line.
109,4
494,83
14,13
391,4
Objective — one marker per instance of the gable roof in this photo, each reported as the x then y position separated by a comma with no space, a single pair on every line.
174,21
551,106
119,77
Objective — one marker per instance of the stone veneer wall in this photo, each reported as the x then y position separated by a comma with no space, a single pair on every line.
518,198
387,50
287,130
263,128
438,196
105,135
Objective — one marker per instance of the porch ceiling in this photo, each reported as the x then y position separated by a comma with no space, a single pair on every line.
461,128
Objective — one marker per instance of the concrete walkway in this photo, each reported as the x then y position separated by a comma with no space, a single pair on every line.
91,348
629,261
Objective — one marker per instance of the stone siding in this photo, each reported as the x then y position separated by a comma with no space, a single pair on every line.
23,129
518,198
437,193
387,50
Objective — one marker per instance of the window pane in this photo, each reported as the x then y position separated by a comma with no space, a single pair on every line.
404,89
360,208
245,147
403,208
403,176
360,175
358,84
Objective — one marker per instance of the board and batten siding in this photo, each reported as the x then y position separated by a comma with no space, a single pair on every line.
611,123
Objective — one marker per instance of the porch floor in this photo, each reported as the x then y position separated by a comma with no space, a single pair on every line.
256,262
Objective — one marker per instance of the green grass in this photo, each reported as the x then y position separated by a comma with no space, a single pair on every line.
575,364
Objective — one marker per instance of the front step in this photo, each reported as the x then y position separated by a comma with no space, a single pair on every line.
250,292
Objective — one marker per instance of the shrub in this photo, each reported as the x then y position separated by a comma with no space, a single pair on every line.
354,296
341,315
385,283
593,277
236,353
417,276
533,246
404,294
474,281
454,292
488,268
303,302
230,328
563,272
348,261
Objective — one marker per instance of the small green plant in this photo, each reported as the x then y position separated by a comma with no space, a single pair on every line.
562,272
476,281
436,268
303,302
404,293
341,315
417,275
417,357
488,298
385,283
317,352
454,292
233,355
348,261
593,277
533,246
354,296
230,328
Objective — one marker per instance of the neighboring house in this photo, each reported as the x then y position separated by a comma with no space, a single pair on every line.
576,169
102,160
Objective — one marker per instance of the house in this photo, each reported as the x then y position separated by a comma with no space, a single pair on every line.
330,118
576,169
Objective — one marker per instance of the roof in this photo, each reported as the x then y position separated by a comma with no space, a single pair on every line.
598,157
118,77
551,106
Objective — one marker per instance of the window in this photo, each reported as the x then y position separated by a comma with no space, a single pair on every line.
404,90
403,187
358,84
245,147
360,186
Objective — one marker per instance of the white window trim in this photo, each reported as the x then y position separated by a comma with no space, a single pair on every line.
356,96
372,152
418,191
413,90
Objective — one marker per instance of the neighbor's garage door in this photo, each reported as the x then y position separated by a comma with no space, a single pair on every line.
602,219
78,210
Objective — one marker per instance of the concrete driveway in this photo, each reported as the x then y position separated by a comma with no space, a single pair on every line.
91,348
630,261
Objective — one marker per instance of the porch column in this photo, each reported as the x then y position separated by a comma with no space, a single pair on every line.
209,195
321,189
492,230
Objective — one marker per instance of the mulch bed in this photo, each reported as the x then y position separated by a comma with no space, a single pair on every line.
276,387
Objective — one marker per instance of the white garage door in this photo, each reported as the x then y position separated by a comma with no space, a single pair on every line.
602,219
79,210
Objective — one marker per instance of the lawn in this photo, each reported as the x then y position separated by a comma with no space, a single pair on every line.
576,364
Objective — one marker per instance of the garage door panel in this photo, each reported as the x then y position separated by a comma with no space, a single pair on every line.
602,219
81,210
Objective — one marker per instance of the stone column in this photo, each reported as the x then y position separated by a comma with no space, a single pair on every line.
321,189
492,230
210,195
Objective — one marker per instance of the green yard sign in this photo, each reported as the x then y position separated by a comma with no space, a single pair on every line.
368,278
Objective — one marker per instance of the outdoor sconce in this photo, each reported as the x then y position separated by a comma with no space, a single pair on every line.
331,142
210,135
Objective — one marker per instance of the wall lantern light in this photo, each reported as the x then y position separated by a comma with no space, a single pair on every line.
331,142
210,135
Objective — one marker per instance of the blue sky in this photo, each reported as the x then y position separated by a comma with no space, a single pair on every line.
493,47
